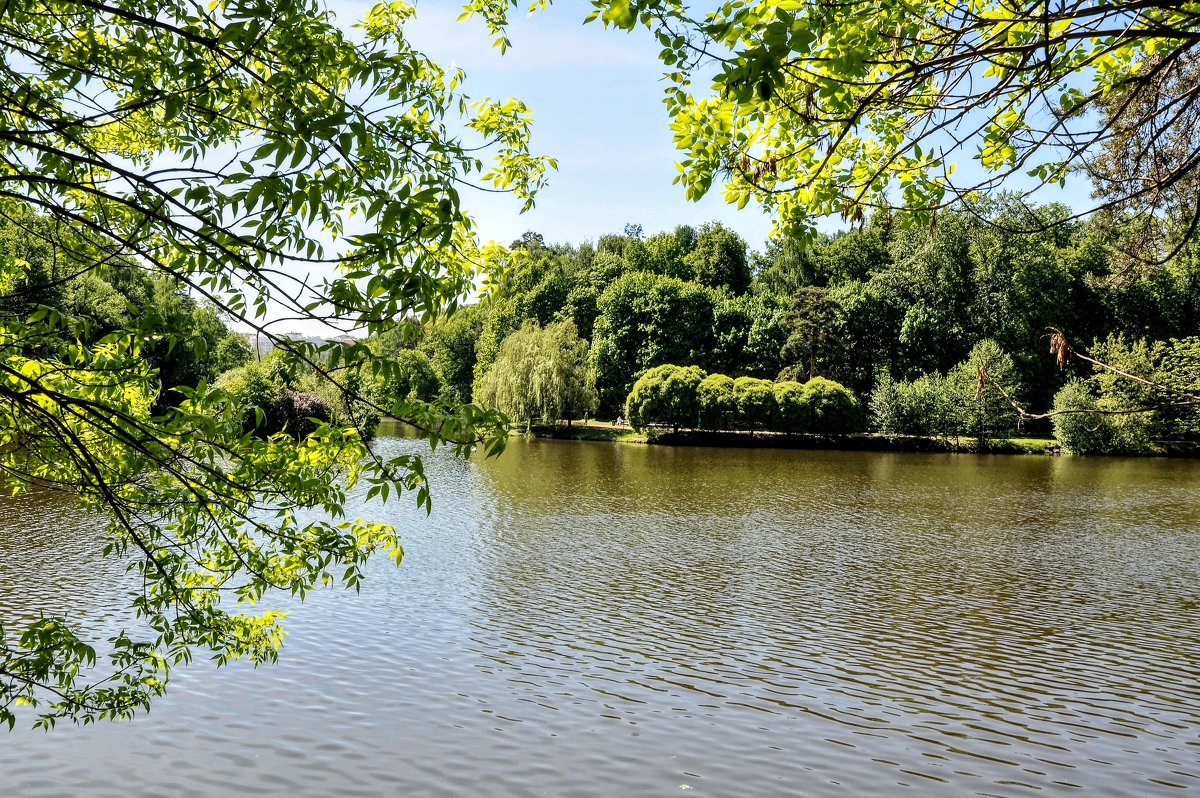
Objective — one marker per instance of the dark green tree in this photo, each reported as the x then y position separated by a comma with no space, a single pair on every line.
647,320
812,323
719,260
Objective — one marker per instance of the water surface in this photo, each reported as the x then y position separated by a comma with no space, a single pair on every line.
591,619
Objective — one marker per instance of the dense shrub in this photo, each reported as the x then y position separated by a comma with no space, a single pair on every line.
1080,430
666,395
831,406
684,397
717,407
794,408
954,404
988,414
755,401
270,402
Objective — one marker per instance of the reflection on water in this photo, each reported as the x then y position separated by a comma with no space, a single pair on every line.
591,619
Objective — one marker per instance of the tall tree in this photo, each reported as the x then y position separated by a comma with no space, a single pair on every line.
718,259
811,323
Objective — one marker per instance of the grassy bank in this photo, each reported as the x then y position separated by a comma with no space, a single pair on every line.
591,431
603,431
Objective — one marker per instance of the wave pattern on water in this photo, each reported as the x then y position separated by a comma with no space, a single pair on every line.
582,620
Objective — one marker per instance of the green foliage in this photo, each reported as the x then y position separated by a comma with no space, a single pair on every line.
1131,357
755,403
1078,428
231,351
544,302
606,268
185,164
412,377
718,259
666,395
646,320
749,332
718,410
795,409
499,319
1084,426
451,346
812,320
977,383
816,111
885,409
582,307
1119,411
274,402
967,401
927,406
540,373
832,407
666,253
1177,367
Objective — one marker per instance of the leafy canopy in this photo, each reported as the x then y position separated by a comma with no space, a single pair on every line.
818,109
235,148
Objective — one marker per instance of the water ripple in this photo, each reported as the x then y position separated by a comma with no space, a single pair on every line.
584,620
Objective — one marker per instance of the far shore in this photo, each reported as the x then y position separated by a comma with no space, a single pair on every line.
593,430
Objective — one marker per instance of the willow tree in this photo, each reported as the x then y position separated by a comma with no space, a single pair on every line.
235,147
540,373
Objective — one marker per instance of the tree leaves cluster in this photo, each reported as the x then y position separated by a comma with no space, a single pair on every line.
241,159
815,109
686,397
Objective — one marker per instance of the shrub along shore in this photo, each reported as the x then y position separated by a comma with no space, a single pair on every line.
863,441
665,436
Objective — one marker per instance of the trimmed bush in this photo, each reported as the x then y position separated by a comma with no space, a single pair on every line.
832,406
794,408
717,406
755,400
666,395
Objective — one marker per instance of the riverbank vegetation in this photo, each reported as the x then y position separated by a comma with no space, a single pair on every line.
942,332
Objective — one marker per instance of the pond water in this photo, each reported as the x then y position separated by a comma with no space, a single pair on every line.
582,619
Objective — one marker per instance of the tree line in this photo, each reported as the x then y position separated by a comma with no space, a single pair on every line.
903,318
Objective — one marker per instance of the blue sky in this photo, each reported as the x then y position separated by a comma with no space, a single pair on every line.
596,96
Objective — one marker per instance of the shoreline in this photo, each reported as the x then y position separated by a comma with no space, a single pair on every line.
859,441
608,433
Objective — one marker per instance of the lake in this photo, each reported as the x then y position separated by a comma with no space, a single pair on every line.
588,619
